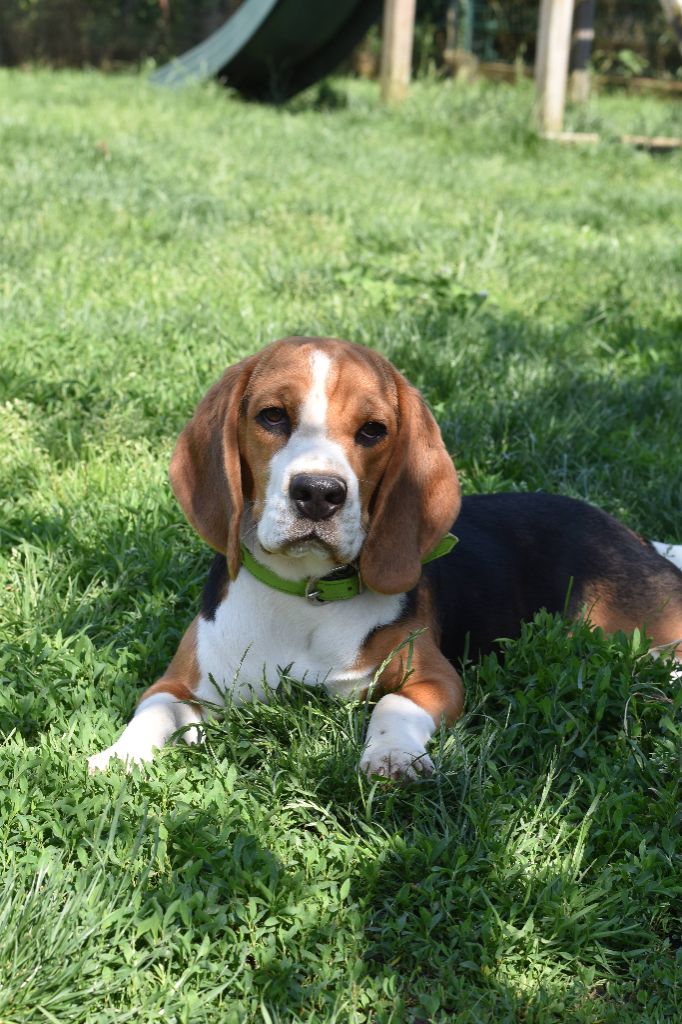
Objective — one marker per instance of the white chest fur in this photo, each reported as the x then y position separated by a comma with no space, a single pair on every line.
258,631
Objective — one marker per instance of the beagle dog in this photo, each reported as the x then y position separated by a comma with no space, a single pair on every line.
320,478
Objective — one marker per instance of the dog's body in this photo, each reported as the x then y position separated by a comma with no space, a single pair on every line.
316,454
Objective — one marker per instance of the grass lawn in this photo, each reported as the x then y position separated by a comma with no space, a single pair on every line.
534,293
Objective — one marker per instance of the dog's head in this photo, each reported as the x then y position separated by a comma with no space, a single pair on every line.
334,456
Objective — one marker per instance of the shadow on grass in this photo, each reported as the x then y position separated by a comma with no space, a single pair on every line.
497,888
456,885
73,414
528,412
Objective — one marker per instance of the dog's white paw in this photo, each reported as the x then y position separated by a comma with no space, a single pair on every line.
100,762
396,740
156,720
392,763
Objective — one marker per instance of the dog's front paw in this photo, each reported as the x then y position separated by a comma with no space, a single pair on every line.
100,762
152,726
396,740
392,763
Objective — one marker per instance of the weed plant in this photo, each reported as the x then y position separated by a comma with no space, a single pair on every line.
149,238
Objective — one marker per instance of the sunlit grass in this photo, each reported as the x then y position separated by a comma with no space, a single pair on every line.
533,293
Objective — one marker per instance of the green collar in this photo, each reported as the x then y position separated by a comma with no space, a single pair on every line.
338,585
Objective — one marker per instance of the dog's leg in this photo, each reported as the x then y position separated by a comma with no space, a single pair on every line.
673,552
164,708
644,591
405,719
154,722
666,635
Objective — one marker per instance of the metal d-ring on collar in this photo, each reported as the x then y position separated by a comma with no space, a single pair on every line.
340,584
312,595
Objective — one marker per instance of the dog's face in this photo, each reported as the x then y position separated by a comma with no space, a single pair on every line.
335,453
316,433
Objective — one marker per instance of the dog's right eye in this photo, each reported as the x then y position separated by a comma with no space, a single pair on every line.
371,433
274,419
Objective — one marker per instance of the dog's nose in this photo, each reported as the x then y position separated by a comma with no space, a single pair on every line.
317,497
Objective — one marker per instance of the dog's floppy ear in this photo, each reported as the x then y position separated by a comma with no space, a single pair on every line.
205,470
416,502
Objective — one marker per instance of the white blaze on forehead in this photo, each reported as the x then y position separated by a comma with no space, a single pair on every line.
313,413
311,450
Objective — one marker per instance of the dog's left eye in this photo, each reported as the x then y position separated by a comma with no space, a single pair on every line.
273,418
370,433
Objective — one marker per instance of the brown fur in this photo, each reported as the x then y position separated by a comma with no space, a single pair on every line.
432,683
417,502
604,608
182,675
205,470
408,487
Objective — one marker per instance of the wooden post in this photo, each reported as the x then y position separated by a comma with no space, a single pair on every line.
396,49
673,13
581,50
540,69
551,65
